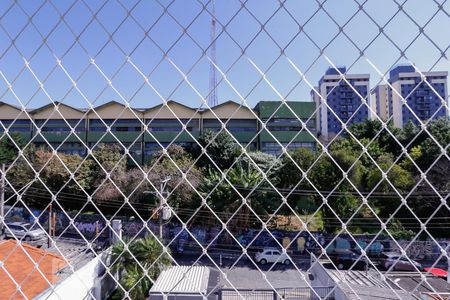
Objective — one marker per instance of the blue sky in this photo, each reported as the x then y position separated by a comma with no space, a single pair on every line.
240,48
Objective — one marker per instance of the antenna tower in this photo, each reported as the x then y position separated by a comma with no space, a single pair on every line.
212,99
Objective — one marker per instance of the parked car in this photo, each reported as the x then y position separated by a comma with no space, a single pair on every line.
272,255
23,231
397,262
346,258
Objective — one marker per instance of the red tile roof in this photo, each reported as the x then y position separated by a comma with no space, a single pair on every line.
18,263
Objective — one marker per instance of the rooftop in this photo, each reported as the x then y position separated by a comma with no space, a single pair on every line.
182,279
18,267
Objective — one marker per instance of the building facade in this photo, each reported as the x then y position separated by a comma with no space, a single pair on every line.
379,97
347,98
145,131
415,97
284,126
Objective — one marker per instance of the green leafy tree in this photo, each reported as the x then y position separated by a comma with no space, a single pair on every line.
54,170
107,161
8,150
220,147
397,176
327,175
440,137
138,264
398,179
290,178
267,163
226,197
173,163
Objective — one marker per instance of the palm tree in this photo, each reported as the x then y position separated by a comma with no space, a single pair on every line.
138,265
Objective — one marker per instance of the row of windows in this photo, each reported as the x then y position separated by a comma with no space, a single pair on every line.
98,126
275,148
150,148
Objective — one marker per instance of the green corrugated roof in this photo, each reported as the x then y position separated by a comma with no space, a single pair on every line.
301,109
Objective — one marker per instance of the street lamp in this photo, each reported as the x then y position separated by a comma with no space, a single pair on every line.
163,213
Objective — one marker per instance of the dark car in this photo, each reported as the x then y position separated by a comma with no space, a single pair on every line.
346,258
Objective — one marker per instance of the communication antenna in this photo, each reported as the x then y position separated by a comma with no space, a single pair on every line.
212,99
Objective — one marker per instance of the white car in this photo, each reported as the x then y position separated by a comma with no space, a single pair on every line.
23,231
272,255
398,262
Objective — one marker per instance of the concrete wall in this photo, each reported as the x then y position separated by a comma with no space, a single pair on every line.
88,282
322,278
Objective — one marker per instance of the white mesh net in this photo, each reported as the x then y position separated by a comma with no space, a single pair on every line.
123,178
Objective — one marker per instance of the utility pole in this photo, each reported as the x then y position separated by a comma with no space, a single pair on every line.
50,227
2,203
162,203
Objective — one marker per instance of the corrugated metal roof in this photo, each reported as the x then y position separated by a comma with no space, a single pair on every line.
182,279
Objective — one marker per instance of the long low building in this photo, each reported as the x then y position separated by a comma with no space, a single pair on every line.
143,131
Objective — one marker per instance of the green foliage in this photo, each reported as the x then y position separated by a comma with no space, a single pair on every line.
290,177
227,197
142,261
399,232
174,162
399,177
8,150
268,163
107,159
338,174
220,147
54,171
440,131
328,178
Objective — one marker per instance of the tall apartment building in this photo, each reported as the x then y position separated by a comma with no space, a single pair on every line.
344,95
424,96
379,97
144,131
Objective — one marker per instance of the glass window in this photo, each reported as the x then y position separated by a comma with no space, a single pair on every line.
111,121
242,129
169,121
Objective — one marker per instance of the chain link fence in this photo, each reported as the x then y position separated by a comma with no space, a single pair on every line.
211,149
